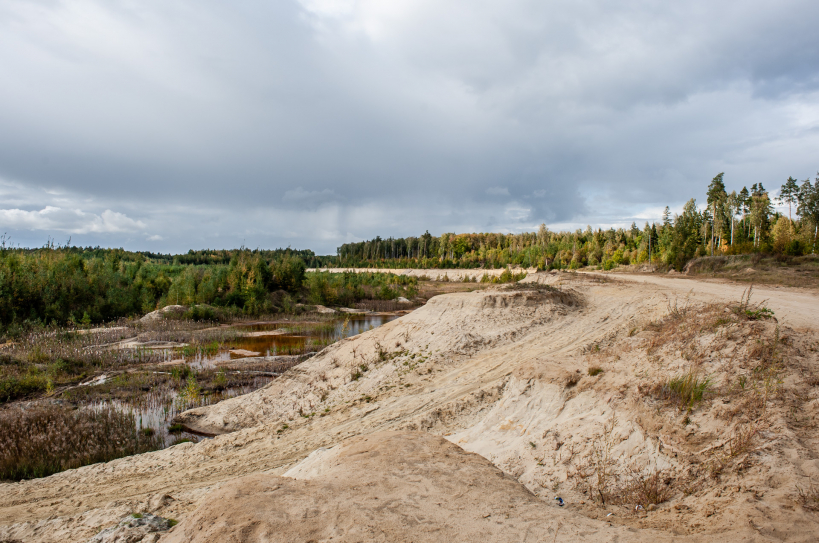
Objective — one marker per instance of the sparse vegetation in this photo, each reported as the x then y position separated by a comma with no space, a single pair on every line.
46,440
808,496
685,390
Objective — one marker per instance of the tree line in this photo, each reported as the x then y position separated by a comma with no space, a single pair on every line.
64,285
730,223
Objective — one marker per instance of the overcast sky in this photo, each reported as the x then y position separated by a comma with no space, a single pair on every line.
164,126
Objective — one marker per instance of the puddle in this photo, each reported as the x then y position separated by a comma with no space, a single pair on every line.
258,359
287,338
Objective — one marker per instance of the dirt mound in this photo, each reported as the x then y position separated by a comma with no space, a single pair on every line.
388,486
448,326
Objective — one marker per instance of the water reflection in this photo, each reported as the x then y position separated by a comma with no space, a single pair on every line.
254,358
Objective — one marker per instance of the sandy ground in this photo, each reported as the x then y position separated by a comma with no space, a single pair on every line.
502,375
798,307
434,275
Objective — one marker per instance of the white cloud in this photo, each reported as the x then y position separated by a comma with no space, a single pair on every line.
73,221
155,237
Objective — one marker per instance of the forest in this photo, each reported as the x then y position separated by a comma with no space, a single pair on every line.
730,223
70,285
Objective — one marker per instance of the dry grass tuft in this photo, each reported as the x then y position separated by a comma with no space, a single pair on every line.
572,379
808,497
46,440
645,488
685,390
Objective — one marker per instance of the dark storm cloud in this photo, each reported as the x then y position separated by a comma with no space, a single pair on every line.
309,123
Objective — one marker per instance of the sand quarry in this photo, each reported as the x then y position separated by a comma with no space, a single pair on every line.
465,419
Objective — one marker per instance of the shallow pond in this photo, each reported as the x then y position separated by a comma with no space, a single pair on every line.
287,338
250,355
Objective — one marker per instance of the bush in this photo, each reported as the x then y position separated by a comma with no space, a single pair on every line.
13,387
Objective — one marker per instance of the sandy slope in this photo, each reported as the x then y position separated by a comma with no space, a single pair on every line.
500,373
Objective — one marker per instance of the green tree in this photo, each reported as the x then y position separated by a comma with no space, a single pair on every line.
716,199
789,194
808,208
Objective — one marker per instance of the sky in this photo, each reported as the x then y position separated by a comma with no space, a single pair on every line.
168,126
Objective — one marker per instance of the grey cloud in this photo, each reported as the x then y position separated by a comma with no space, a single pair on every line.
306,123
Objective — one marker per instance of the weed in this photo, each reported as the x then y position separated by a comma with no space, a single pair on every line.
685,390
220,380
809,497
595,370
645,489
175,428
677,311
596,473
741,440
751,311
355,375
572,379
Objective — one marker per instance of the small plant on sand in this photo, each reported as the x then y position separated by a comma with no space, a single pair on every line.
573,379
753,312
686,390
595,474
595,370
808,497
741,439
645,489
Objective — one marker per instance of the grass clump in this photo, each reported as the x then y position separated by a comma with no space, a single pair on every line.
686,389
46,440
595,370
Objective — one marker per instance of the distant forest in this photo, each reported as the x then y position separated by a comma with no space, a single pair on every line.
737,223
90,285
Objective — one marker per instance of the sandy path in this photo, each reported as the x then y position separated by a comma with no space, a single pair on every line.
798,308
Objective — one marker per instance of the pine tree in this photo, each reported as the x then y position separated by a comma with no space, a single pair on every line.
716,198
789,193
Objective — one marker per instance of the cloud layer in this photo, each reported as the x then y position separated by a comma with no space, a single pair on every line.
313,122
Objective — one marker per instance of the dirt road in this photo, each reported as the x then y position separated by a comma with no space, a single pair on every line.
798,308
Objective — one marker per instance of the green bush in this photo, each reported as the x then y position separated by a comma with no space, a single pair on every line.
13,387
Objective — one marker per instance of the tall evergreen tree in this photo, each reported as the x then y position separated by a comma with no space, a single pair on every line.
716,198
789,194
